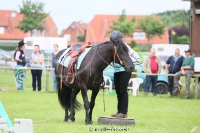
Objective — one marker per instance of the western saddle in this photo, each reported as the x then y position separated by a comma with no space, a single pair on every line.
74,52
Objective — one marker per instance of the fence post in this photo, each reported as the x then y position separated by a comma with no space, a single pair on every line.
47,80
196,86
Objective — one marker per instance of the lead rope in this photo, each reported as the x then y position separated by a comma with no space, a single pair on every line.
104,102
103,84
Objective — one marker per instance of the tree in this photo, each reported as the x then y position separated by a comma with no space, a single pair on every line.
34,16
124,25
151,27
180,39
175,18
134,46
80,38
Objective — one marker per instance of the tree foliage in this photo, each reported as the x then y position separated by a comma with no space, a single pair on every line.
151,26
134,46
174,18
180,39
80,38
180,31
34,16
124,25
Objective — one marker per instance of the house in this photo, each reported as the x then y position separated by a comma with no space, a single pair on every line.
75,33
9,32
97,31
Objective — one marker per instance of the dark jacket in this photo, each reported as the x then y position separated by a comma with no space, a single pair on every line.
21,57
174,67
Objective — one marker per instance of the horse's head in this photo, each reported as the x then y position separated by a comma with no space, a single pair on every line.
122,57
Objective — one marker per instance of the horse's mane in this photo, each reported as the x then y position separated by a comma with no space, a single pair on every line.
121,47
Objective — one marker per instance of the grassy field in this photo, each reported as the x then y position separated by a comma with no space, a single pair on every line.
161,114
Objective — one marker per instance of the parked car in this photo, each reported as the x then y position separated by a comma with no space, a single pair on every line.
162,83
10,60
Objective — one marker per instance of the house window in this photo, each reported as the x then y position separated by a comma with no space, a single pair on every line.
68,36
34,33
13,14
1,30
41,32
136,35
139,35
160,49
142,35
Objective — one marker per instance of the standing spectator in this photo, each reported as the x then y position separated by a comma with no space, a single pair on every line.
55,46
19,57
173,65
37,60
152,65
121,79
187,69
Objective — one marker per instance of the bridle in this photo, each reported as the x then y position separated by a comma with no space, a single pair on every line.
115,54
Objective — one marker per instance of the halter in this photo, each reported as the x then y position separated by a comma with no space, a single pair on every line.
115,53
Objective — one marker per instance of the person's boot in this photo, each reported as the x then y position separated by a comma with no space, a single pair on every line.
176,90
121,115
114,115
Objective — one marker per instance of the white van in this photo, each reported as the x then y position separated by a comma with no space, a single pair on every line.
163,51
45,43
46,46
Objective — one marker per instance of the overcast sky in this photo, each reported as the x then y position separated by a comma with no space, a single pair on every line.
64,12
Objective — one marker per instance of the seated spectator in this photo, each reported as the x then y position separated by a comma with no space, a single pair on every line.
187,69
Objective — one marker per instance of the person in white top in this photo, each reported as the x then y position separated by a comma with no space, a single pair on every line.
37,60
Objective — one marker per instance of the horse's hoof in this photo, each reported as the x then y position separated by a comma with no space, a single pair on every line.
88,123
65,120
69,120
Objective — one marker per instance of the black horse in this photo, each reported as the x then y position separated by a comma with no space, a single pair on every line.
90,76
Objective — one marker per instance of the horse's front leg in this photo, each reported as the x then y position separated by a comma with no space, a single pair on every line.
92,101
86,103
66,113
72,109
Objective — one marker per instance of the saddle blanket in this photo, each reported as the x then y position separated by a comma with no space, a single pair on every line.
80,58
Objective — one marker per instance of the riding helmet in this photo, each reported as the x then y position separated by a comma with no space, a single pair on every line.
115,35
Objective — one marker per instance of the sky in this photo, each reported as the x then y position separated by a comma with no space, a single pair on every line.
64,12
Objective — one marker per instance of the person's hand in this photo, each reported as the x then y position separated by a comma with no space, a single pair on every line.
167,71
139,60
183,71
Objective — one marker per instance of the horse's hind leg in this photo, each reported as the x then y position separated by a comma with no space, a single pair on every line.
72,110
86,103
92,101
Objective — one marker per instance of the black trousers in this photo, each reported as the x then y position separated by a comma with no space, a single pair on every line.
171,84
36,75
121,80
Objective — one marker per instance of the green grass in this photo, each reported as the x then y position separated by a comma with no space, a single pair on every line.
161,114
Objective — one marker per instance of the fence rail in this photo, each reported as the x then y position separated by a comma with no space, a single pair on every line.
49,69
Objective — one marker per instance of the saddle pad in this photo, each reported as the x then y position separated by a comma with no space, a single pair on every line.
80,58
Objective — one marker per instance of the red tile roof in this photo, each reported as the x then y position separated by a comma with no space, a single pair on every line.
9,23
9,19
97,30
80,26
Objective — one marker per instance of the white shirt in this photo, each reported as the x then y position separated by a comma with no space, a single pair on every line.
131,52
17,55
36,57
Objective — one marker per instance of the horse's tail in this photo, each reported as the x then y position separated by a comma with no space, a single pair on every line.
64,95
65,92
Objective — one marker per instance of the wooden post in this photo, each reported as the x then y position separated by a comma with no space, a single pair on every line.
196,86
47,80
